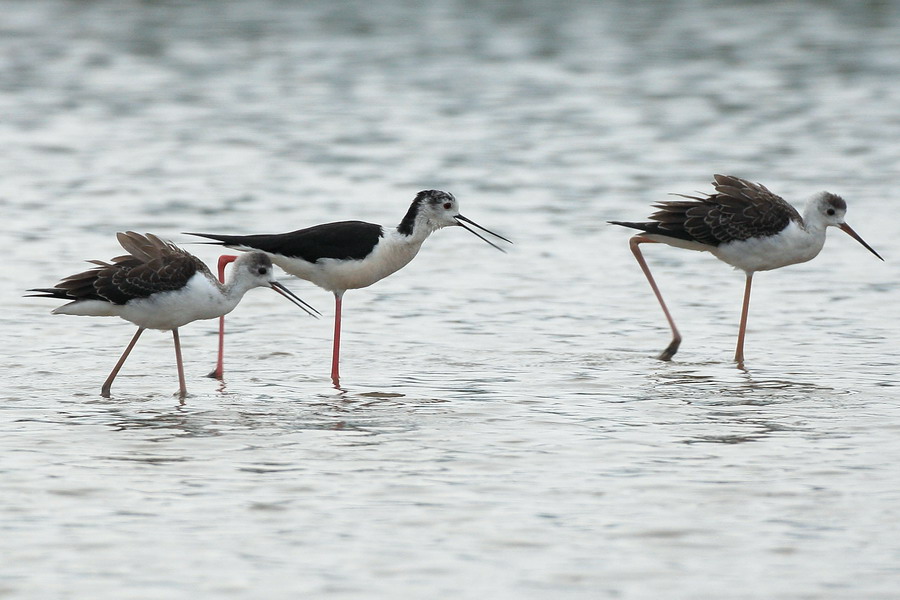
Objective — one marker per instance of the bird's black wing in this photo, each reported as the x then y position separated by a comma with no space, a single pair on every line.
341,240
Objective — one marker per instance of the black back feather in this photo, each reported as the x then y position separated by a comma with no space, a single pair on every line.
344,240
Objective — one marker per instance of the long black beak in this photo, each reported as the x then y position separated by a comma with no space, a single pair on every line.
849,231
295,299
461,219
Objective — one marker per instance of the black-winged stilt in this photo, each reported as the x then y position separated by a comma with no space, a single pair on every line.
160,286
352,254
744,225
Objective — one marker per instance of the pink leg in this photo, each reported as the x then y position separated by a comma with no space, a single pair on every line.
218,372
739,352
672,348
336,353
104,391
182,388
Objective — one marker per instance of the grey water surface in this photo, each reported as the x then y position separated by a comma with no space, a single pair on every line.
504,430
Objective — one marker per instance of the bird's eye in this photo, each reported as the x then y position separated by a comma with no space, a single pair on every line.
447,205
262,270
830,212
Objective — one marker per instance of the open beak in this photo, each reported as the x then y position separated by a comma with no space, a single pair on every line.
461,219
849,231
294,298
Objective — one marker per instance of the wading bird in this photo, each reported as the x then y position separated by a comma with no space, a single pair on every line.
160,286
744,225
349,255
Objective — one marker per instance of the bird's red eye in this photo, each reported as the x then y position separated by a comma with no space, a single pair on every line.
447,205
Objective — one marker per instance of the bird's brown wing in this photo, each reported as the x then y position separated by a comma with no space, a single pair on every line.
738,210
151,266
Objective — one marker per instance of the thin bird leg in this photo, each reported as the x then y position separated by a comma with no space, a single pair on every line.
218,372
672,348
336,353
739,352
104,391
182,388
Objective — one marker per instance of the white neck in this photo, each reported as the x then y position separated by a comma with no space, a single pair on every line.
421,230
413,241
233,290
812,219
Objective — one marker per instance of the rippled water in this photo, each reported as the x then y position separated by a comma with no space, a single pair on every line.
505,430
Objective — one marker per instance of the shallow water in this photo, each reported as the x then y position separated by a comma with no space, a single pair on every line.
505,430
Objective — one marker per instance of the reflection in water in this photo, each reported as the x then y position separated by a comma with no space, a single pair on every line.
189,421
749,408
720,386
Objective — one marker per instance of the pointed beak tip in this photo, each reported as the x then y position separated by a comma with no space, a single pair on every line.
849,231
293,298
460,220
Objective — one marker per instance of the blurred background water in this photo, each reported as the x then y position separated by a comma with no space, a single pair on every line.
505,430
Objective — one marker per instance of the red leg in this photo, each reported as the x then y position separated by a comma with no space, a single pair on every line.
739,352
336,353
104,391
218,371
672,348
182,388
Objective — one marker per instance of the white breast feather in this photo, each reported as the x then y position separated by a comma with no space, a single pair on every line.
199,299
392,253
791,246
